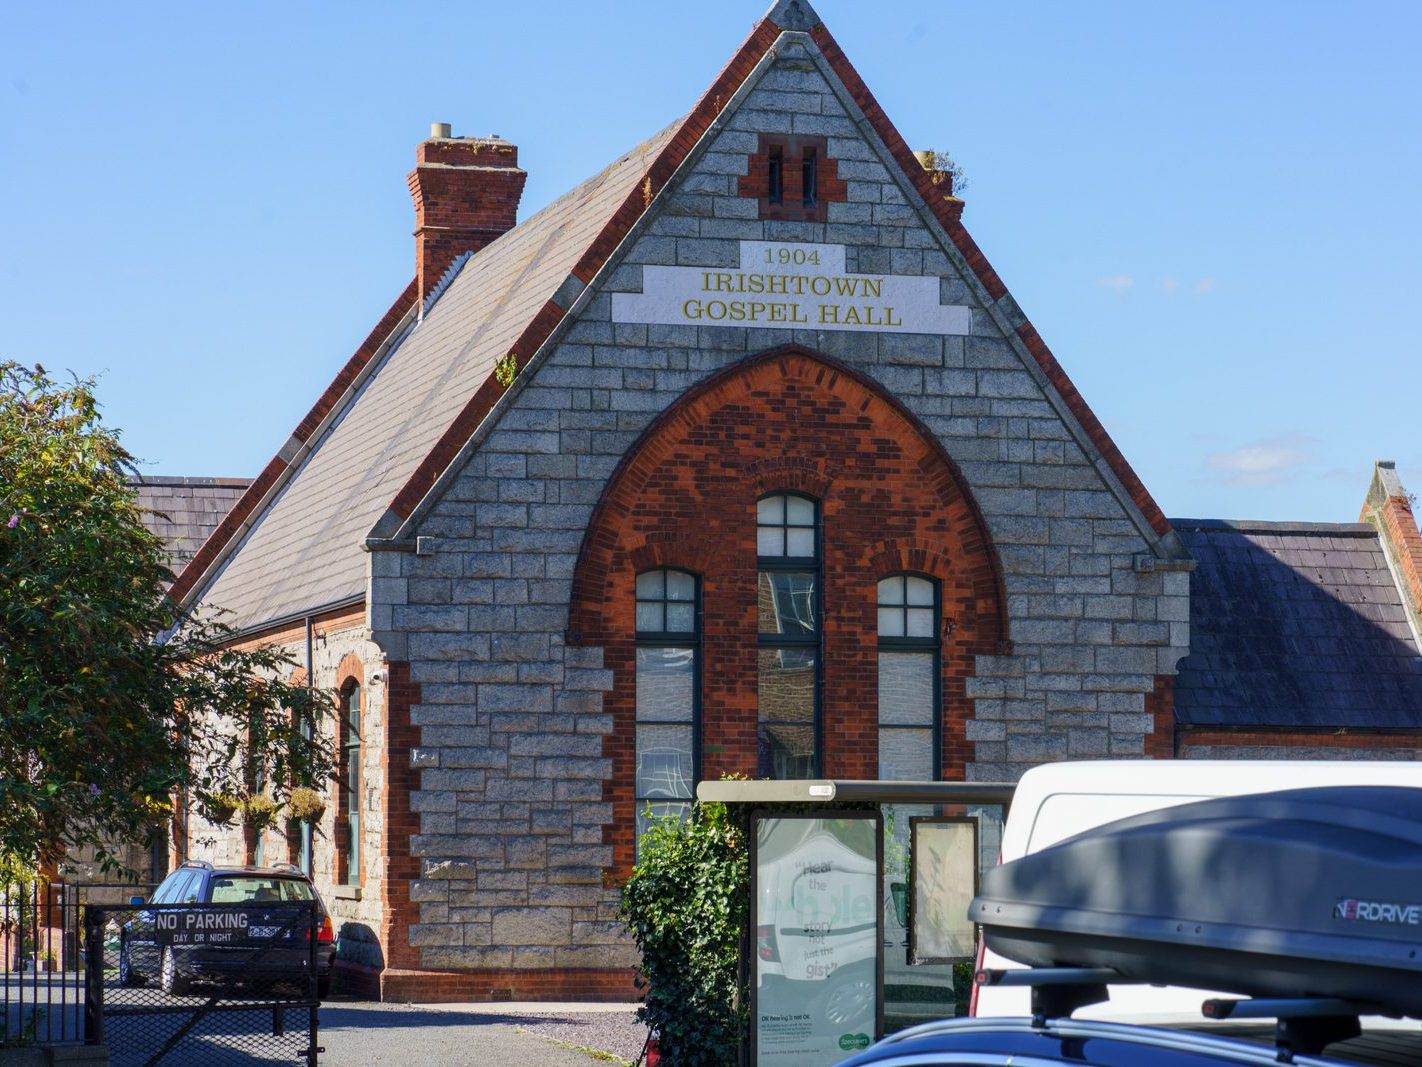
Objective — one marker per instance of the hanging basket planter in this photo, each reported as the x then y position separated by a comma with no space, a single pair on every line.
220,808
260,812
305,805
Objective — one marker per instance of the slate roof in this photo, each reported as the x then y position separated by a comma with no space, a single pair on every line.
304,552
1296,625
185,511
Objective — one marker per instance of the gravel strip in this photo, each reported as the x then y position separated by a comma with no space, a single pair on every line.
617,1033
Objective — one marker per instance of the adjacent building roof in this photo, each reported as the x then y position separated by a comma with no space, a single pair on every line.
305,551
1296,625
185,511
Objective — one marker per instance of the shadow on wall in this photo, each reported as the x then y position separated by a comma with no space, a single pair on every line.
357,944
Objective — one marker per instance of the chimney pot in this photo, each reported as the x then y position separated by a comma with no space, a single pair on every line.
441,129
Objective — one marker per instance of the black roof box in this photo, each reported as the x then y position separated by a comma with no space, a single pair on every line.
1303,893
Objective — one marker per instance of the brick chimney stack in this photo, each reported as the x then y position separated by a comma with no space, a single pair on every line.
466,192
1389,508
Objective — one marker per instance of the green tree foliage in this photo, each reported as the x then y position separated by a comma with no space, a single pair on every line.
111,702
686,904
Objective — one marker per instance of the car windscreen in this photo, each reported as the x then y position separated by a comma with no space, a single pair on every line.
258,889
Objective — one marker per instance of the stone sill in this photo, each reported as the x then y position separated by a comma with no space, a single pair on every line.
346,892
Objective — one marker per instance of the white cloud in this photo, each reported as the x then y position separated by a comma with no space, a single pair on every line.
1116,281
1204,285
1270,462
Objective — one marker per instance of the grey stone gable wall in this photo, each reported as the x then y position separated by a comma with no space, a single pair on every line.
512,723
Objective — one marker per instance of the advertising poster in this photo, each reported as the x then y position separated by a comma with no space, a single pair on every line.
818,930
945,878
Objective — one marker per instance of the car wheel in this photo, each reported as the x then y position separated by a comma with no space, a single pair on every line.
172,981
850,1000
127,976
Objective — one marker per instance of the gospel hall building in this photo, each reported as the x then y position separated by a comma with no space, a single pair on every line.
737,457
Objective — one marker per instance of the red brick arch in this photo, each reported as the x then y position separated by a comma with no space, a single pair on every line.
685,496
350,669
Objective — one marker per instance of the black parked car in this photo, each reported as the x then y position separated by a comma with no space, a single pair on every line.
270,940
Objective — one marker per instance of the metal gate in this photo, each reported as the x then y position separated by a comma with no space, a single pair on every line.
214,984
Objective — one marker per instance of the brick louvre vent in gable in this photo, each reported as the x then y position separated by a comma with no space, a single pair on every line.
792,202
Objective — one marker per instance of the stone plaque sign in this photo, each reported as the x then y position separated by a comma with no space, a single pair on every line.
790,285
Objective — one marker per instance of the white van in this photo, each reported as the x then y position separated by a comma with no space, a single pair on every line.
1059,800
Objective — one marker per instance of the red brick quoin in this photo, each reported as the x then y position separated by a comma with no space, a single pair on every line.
685,496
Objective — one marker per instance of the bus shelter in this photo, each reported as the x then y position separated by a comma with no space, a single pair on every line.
859,907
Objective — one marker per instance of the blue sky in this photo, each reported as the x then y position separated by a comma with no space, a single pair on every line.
1209,210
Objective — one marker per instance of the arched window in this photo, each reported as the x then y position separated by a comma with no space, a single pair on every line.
789,658
910,745
668,694
348,821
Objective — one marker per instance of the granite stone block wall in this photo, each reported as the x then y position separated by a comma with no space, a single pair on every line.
516,868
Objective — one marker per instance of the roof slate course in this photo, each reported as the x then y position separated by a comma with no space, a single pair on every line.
304,550
1295,625
184,511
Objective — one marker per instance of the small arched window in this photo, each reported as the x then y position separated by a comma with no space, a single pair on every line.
789,657
668,693
348,820
910,744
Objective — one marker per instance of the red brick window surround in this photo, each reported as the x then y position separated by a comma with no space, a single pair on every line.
668,693
793,178
885,500
910,681
350,753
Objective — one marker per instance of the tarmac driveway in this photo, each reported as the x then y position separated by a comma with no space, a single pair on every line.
363,1032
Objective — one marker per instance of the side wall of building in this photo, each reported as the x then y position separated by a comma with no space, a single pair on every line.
341,653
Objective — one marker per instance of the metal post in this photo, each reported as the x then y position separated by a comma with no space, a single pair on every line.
93,977
6,932
313,989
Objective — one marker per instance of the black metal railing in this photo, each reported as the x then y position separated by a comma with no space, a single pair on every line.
220,983
44,957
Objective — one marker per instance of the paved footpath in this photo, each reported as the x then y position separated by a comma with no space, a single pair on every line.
487,1035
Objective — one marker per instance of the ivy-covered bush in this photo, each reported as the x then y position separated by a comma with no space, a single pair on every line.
686,904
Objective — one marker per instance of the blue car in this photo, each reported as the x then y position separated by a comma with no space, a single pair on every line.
1081,1043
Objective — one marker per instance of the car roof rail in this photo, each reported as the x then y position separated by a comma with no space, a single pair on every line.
287,867
1306,1025
201,864
1057,991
